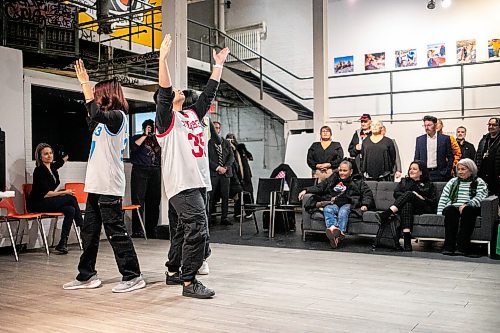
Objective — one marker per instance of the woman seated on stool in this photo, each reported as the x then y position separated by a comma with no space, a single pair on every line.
45,198
342,193
414,195
460,203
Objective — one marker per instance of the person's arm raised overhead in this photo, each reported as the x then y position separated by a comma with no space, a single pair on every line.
165,92
164,74
205,100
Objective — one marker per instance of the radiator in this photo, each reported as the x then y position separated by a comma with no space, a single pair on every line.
249,38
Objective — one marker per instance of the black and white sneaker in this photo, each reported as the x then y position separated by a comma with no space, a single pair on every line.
197,290
174,279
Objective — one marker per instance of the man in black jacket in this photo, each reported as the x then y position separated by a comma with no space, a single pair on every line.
488,157
357,140
220,157
466,148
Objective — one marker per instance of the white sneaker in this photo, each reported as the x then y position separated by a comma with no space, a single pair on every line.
204,270
131,285
91,283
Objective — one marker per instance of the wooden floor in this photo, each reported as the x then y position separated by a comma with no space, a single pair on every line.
259,289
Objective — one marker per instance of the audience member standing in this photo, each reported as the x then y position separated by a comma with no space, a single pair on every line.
45,198
105,185
466,148
379,155
324,157
488,157
357,140
397,166
221,159
242,171
457,152
435,150
145,180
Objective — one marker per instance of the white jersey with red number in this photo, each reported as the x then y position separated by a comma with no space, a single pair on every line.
183,153
105,173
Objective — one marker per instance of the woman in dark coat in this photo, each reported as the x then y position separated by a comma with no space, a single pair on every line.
45,198
415,195
338,195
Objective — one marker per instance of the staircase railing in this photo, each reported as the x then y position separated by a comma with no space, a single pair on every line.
214,42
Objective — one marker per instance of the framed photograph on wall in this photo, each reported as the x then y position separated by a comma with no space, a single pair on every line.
466,51
436,55
405,58
374,61
343,64
494,48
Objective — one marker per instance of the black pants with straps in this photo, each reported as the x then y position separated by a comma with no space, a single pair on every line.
106,210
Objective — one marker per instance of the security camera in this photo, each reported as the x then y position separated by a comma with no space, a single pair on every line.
431,4
228,4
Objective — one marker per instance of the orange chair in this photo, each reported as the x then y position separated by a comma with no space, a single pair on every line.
13,215
26,192
80,194
136,208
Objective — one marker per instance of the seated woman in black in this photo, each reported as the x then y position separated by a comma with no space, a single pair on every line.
415,195
45,198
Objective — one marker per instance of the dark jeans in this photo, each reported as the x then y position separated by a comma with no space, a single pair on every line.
145,190
106,210
408,205
65,204
459,227
220,189
188,242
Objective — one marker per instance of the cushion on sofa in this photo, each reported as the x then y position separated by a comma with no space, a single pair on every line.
384,196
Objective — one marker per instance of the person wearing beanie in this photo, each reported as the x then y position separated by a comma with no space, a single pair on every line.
460,204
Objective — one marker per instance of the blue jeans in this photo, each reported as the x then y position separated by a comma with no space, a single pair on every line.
337,216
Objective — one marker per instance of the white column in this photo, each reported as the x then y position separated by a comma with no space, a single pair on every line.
174,22
320,62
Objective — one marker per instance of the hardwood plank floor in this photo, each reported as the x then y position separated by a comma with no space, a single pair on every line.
259,289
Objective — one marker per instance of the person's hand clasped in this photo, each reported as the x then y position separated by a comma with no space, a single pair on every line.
302,194
364,208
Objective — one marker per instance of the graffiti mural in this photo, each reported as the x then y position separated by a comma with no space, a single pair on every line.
41,12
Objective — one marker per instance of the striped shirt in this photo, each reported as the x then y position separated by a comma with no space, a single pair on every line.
463,196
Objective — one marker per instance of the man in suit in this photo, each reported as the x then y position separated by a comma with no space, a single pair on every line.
220,157
435,150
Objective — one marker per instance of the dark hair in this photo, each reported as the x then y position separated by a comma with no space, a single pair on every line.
430,118
148,122
232,137
155,96
422,166
190,98
38,152
496,119
216,122
325,127
108,95
465,129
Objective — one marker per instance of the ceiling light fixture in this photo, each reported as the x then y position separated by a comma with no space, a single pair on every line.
431,4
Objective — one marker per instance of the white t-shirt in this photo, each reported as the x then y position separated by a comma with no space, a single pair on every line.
105,173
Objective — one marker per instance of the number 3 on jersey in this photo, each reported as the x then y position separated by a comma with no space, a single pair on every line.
199,144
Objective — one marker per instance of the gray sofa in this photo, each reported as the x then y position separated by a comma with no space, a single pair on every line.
429,226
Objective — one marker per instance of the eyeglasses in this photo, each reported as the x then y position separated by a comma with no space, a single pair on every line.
493,125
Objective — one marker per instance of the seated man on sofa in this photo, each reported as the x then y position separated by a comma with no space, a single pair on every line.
339,195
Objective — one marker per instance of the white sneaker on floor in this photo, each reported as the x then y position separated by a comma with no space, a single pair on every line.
131,285
204,270
91,283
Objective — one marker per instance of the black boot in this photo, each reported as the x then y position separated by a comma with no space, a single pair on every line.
62,247
385,216
407,242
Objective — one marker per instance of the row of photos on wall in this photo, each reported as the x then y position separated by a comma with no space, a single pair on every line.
436,56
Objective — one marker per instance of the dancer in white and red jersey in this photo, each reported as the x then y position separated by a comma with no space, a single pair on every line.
182,136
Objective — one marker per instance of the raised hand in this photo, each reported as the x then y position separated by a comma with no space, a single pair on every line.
220,57
81,72
165,47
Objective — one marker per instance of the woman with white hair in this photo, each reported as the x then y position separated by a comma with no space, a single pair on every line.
460,204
